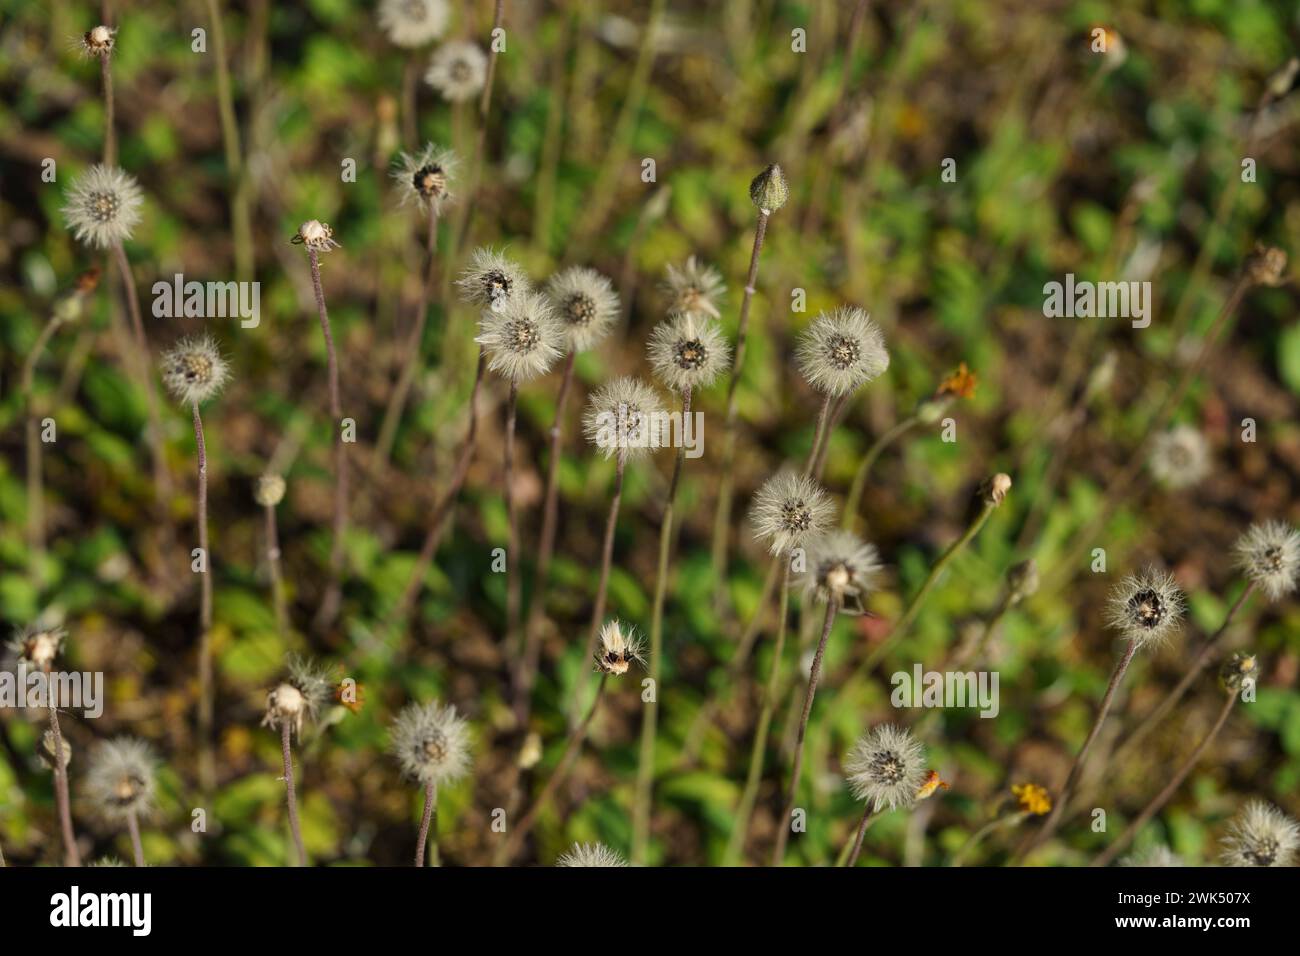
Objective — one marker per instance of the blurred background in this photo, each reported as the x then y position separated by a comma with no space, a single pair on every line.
1118,164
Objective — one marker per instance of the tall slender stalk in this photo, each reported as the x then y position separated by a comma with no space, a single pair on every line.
1161,798
133,827
783,824
514,580
110,130
207,706
480,148
71,853
869,816
427,826
35,472
291,794
978,837
645,772
329,607
859,484
606,561
240,215
277,577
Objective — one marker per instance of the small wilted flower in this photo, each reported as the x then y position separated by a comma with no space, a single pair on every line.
298,699
269,491
1261,835
622,418
842,351
590,854
120,778
523,338
457,70
1180,457
1032,799
1266,265
412,23
931,785
1022,580
693,288
993,491
1239,672
886,767
431,743
841,567
193,370
425,178
491,279
1145,608
687,352
769,191
98,41
586,304
1269,555
315,235
620,645
1158,855
103,206
790,510
38,646
46,753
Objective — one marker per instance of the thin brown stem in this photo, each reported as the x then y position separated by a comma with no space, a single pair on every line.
71,853
240,215
868,817
859,484
513,578
329,606
480,148
207,704
133,827
606,561
277,578
35,470
410,88
110,131
291,795
426,823
783,824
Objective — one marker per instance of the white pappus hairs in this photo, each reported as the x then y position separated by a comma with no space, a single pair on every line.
789,510
193,370
1146,608
843,567
491,279
586,305
687,351
693,288
590,854
619,646
1260,835
424,178
431,743
103,206
37,646
1158,855
522,338
621,417
457,70
299,698
413,23
1180,457
120,778
886,767
1269,555
842,351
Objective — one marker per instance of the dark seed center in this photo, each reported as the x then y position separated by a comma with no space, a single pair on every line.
497,285
579,309
127,790
104,206
1147,608
795,516
523,335
843,352
691,354
460,71
1263,852
887,766
435,747
430,181
196,368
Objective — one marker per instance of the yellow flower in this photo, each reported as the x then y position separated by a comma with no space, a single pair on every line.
1032,798
930,785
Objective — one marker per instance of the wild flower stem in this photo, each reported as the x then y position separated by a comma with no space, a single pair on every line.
35,471
133,827
426,823
240,216
606,560
480,148
859,485
545,550
329,606
207,764
976,838
758,751
71,854
783,824
410,83
645,771
513,580
273,562
869,816
1160,799
110,132
286,749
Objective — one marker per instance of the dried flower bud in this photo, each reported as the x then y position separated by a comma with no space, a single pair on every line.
315,235
769,191
47,750
1266,265
1022,580
619,647
269,491
993,491
1239,672
98,41
298,699
38,646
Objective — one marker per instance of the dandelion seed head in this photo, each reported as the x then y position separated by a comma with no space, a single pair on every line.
1159,855
619,646
269,491
842,351
38,646
1269,555
590,854
886,767
687,351
523,338
841,567
789,510
457,70
413,23
103,206
1180,457
299,698
431,743
98,41
1146,608
1260,835
693,288
315,235
193,370
120,778
424,178
586,304
491,280
621,418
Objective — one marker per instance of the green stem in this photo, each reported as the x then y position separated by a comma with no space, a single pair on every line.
854,499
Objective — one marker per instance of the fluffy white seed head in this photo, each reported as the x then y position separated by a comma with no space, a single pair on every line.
1261,835
1269,555
315,235
1180,457
193,370
1159,855
590,854
425,178
619,646
523,338
299,698
431,743
457,70
103,206
38,646
491,279
98,41
886,767
1146,608
120,778
412,23
622,418
688,351
789,510
841,567
585,303
693,288
842,351
269,491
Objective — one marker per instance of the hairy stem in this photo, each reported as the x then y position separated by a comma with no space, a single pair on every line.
513,578
606,561
133,827
427,826
240,214
868,817
286,748
35,471
71,853
277,578
110,125
329,606
207,694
